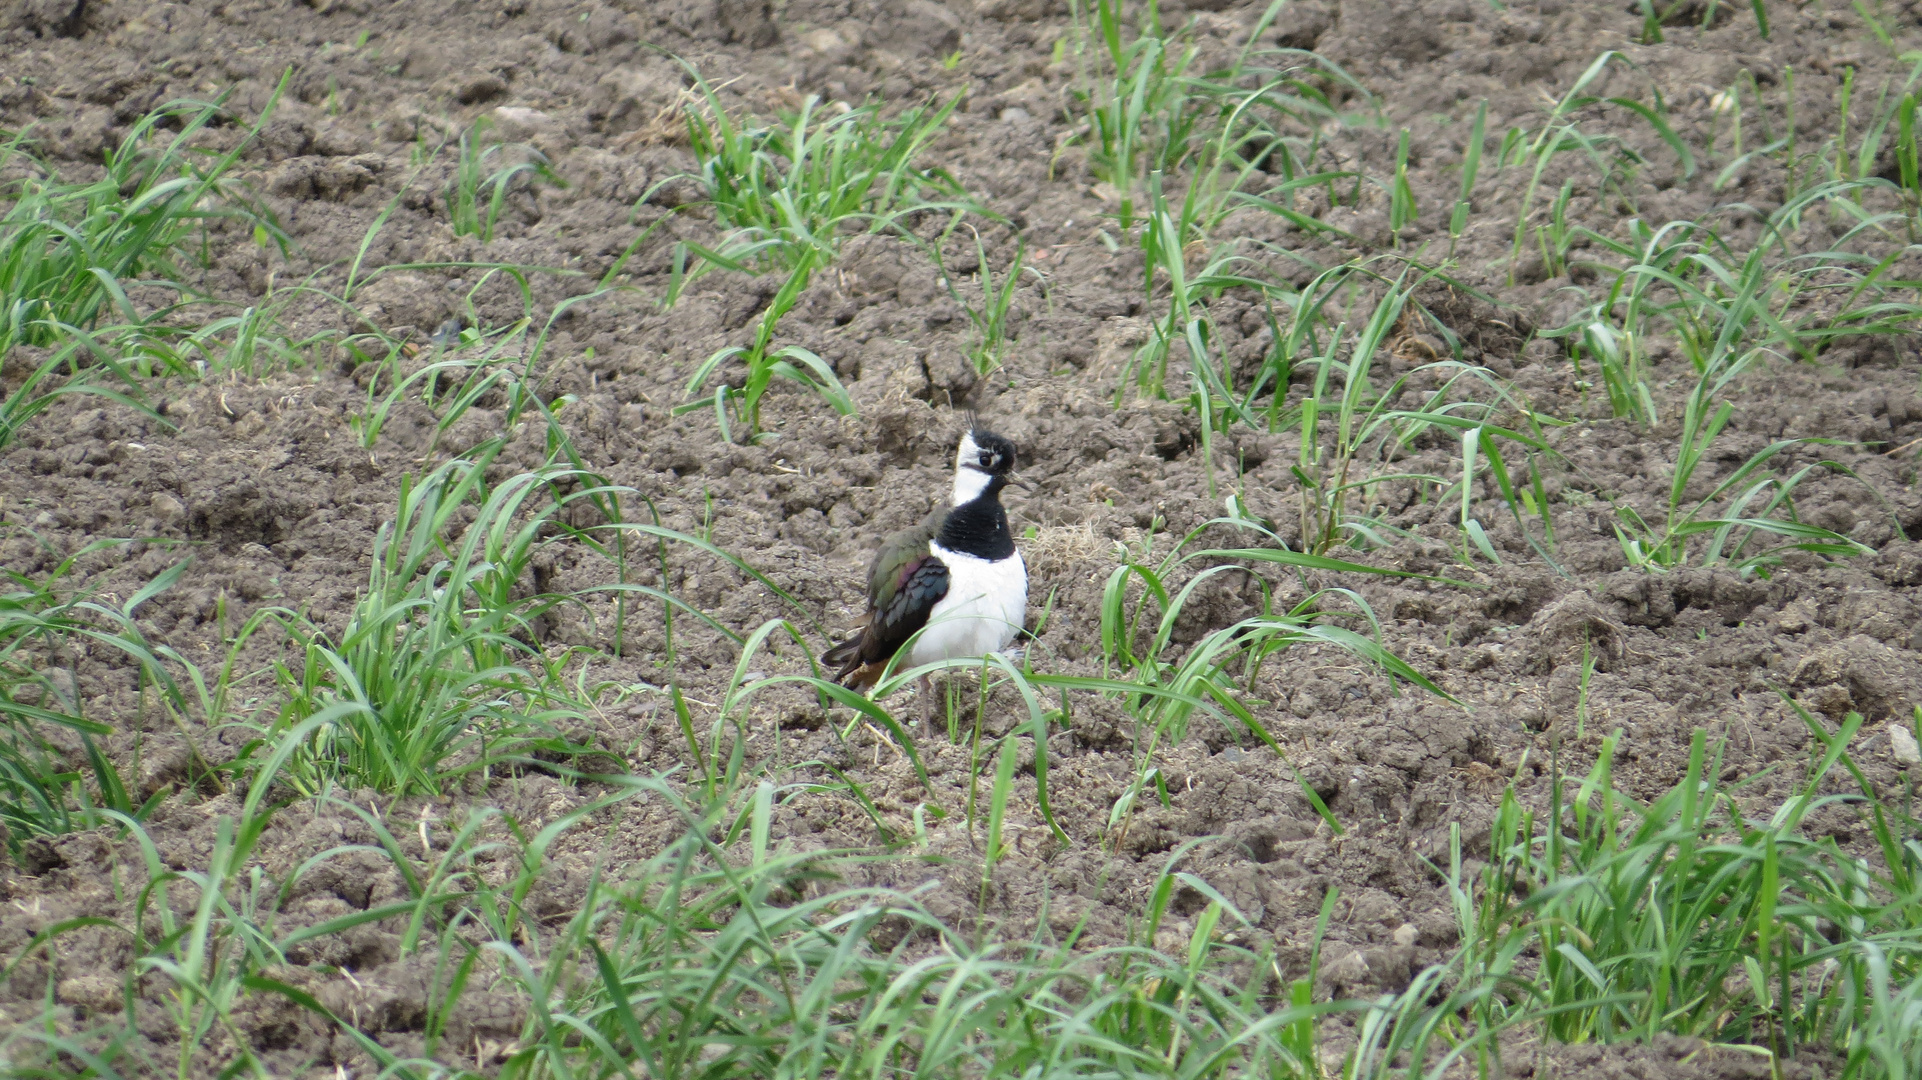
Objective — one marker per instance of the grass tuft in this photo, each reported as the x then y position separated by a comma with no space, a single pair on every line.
432,678
68,250
476,197
792,189
54,776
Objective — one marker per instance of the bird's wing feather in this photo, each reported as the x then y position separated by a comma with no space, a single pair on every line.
922,585
904,584
896,553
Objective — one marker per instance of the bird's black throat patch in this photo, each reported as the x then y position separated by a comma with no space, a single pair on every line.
979,527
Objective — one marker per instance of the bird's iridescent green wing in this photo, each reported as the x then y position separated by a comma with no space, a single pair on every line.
897,552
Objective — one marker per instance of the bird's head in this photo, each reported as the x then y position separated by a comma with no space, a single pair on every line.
984,451
984,462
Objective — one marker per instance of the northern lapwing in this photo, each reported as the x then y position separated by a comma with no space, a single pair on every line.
957,578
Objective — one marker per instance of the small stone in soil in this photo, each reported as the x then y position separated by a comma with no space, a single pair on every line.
1902,745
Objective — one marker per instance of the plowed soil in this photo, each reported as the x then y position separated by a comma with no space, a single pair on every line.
262,486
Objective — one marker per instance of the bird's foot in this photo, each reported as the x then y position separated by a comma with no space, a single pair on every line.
924,690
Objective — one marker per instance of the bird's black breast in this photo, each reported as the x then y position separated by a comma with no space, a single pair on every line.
979,528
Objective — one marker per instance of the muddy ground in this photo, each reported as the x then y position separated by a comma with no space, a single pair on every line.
262,486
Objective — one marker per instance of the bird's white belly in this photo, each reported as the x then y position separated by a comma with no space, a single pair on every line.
986,605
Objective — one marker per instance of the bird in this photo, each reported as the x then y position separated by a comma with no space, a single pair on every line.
956,578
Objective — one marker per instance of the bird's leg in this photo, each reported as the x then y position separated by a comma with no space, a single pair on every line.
925,690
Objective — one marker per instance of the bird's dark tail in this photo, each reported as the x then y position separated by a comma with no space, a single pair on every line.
842,653
846,657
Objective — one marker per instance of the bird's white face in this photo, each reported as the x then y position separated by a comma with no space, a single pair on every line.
968,454
970,479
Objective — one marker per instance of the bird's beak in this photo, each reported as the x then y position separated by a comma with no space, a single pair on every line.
1021,482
